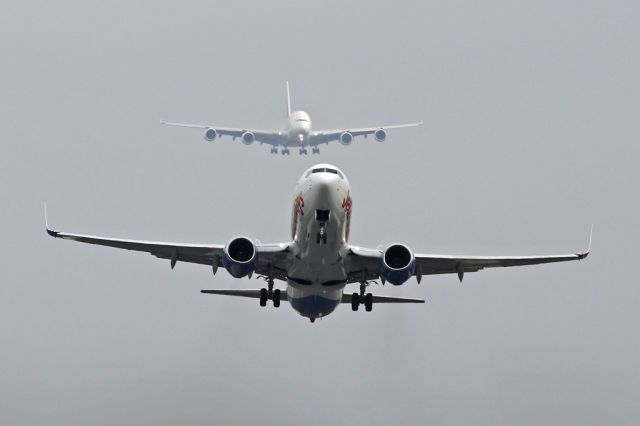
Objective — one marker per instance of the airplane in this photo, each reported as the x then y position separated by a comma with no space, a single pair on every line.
296,132
318,262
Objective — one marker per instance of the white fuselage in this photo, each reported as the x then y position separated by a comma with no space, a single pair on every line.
297,128
320,230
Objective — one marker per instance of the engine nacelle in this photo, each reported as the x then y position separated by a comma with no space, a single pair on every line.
210,134
380,135
346,138
248,138
398,264
240,257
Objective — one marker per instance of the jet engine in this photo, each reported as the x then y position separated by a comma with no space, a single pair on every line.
380,135
398,264
248,138
210,134
240,257
346,138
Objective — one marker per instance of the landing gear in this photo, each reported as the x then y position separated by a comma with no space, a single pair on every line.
303,151
263,297
274,150
368,302
355,301
321,235
363,298
276,298
285,151
270,294
315,150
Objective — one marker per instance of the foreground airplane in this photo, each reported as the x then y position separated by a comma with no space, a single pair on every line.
296,132
318,262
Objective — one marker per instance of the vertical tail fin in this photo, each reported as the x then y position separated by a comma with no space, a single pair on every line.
288,101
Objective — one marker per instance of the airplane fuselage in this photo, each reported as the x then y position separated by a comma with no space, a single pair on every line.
297,128
320,229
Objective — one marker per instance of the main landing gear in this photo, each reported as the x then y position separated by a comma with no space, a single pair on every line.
362,299
303,151
285,151
270,294
315,150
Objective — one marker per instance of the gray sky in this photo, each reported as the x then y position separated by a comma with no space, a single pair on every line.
530,135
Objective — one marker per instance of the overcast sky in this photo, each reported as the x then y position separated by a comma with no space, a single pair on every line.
531,135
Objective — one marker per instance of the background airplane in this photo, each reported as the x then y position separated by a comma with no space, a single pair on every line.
296,132
318,262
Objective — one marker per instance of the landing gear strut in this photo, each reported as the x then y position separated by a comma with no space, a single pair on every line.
321,235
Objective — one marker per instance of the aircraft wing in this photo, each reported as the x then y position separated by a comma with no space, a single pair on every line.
324,136
264,136
365,263
272,258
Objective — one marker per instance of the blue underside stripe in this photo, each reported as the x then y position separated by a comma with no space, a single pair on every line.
313,306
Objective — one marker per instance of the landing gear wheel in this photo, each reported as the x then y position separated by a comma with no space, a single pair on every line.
263,297
368,302
276,298
355,301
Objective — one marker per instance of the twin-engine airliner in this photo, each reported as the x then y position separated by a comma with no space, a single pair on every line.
318,262
296,133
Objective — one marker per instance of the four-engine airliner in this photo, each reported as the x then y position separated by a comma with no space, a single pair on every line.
296,132
318,262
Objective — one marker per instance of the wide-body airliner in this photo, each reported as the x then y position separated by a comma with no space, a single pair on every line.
296,133
318,263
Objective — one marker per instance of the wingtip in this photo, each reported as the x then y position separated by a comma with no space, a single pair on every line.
584,254
46,223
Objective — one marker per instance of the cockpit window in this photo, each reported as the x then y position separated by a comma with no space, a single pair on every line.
326,170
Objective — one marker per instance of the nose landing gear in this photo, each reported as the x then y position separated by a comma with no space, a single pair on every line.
303,151
321,235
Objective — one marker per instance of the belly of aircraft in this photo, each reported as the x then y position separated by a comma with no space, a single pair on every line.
313,301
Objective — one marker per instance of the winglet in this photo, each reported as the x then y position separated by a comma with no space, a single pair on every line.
46,223
583,255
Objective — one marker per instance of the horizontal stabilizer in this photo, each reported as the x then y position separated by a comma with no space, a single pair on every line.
254,294
346,298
